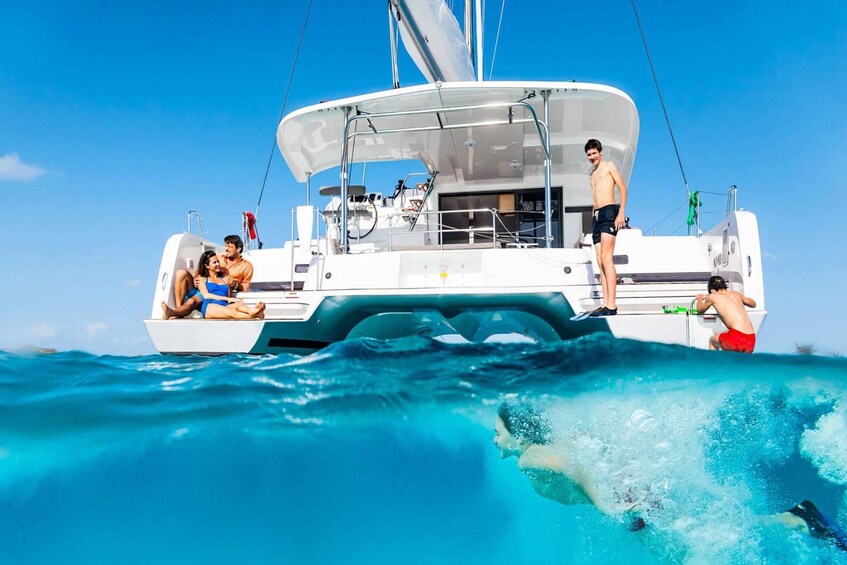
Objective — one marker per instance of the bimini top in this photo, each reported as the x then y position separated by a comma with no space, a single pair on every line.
471,145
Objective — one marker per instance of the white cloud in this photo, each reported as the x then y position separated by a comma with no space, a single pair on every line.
97,328
43,330
770,256
12,169
129,283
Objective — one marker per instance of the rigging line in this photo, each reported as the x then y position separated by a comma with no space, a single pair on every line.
666,217
679,228
496,40
282,110
661,99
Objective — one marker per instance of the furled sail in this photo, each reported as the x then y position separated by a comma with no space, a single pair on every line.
433,39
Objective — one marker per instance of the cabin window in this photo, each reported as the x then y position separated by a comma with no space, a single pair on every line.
519,213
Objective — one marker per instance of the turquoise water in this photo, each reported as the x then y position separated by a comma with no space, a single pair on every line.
381,452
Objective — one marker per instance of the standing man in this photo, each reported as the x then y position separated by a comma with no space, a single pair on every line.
730,307
608,219
237,272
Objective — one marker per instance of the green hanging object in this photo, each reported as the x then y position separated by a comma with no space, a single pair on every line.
693,204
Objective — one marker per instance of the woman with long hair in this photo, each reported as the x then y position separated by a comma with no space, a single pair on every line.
217,303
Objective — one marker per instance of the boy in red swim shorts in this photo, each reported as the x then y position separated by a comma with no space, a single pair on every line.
729,305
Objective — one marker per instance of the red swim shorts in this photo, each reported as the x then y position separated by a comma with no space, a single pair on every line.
734,340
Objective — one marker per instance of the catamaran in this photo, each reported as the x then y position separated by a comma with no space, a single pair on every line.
487,238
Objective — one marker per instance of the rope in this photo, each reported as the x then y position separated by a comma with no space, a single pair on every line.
282,110
666,217
661,100
679,228
497,39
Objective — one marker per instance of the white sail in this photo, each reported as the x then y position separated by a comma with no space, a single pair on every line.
433,39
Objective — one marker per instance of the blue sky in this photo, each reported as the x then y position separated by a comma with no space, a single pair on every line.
115,120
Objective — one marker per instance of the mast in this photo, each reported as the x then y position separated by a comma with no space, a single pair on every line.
469,30
479,28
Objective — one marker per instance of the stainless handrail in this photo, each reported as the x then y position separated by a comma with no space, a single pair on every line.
732,200
440,226
293,222
429,188
195,214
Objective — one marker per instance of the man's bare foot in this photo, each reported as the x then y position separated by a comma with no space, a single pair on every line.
167,311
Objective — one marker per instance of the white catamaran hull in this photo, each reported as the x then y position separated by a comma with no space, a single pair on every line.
459,295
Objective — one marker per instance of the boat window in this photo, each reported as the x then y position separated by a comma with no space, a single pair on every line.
520,215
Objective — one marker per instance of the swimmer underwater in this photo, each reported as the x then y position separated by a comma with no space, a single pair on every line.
522,431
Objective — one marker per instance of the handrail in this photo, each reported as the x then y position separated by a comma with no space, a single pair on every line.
195,214
440,226
540,126
732,200
429,187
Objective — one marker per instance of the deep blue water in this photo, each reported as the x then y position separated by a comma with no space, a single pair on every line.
381,452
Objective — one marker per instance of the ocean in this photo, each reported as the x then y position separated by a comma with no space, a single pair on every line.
381,452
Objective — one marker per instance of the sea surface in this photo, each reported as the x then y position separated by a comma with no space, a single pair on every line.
381,452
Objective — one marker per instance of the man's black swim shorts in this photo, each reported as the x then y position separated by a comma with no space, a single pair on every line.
604,221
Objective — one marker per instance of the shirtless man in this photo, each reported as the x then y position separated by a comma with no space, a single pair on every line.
729,305
608,219
237,272
523,432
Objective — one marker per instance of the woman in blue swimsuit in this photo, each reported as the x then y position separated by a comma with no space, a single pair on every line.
217,303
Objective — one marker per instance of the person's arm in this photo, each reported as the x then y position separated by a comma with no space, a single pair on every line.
547,459
620,220
703,303
247,276
200,283
748,301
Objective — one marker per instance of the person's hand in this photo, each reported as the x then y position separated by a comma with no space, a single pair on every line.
197,279
701,297
228,280
620,221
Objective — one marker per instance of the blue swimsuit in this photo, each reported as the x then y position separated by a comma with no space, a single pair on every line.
214,288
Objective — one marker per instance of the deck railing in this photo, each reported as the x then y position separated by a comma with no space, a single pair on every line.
196,216
732,200
489,233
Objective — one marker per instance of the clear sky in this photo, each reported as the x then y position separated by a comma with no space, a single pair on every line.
117,118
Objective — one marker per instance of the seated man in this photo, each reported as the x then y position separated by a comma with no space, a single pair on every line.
729,305
237,273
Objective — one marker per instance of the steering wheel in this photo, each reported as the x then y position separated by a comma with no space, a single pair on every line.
361,220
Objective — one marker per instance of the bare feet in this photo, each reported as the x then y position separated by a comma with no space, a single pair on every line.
167,311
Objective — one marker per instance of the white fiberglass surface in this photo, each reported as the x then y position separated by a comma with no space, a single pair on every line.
311,139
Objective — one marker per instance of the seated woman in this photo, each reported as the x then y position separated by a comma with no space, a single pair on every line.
217,303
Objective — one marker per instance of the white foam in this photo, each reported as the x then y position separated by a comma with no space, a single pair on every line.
826,445
451,338
511,337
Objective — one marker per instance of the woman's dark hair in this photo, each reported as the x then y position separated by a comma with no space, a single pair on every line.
594,144
525,423
203,267
716,283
